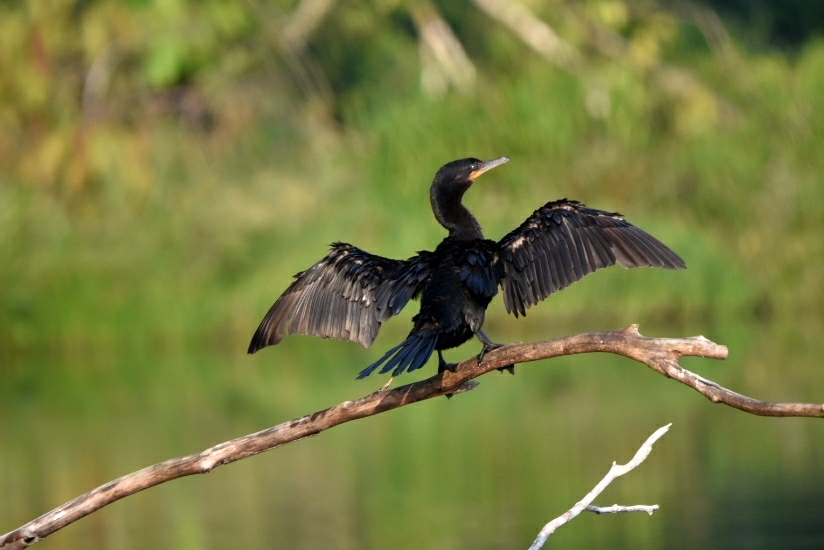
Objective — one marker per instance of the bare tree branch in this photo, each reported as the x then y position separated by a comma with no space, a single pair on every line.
660,354
615,508
536,33
302,22
443,59
616,471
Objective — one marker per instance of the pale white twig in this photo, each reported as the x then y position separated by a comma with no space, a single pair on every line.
615,508
584,504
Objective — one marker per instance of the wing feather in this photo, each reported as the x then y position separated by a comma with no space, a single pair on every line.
542,274
346,295
562,242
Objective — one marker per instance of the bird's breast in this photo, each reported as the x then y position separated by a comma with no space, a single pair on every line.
464,280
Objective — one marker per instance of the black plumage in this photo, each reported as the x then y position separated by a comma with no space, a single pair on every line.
350,292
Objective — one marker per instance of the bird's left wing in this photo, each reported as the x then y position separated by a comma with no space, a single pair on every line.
563,241
346,295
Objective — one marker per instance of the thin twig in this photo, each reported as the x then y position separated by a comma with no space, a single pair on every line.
616,471
660,354
615,509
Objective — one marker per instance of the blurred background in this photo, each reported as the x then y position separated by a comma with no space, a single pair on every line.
166,166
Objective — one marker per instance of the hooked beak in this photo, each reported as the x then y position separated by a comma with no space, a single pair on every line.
488,165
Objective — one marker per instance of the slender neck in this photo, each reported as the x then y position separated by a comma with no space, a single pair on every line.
451,213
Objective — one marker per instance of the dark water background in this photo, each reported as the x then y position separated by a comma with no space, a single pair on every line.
483,470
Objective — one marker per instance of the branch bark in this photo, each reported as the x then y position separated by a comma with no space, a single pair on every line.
660,354
585,503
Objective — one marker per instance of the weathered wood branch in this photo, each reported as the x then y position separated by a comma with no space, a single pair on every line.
586,503
661,354
617,509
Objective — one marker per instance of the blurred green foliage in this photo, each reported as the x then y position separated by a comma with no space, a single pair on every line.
167,165
786,24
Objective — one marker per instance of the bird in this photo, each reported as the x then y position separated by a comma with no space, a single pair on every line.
349,293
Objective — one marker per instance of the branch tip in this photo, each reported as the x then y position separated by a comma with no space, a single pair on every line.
586,503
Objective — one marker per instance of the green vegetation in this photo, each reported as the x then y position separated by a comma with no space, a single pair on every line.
164,172
167,165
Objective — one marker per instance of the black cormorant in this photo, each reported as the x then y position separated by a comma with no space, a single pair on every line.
350,292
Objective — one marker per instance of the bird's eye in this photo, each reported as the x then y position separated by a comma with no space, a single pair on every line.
473,166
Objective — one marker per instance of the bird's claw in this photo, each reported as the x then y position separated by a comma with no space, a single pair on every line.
487,348
451,367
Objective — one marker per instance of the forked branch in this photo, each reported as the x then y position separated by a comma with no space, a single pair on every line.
660,354
586,503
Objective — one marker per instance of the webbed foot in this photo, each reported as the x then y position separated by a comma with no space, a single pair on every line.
451,367
489,345
487,348
444,366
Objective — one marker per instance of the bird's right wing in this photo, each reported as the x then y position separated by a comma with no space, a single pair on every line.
563,241
346,295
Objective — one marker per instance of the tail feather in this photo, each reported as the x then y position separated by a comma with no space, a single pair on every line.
409,355
423,355
368,370
400,360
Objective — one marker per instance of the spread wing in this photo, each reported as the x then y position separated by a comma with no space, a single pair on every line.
564,240
346,295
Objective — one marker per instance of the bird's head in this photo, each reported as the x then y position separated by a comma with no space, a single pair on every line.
448,188
461,173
